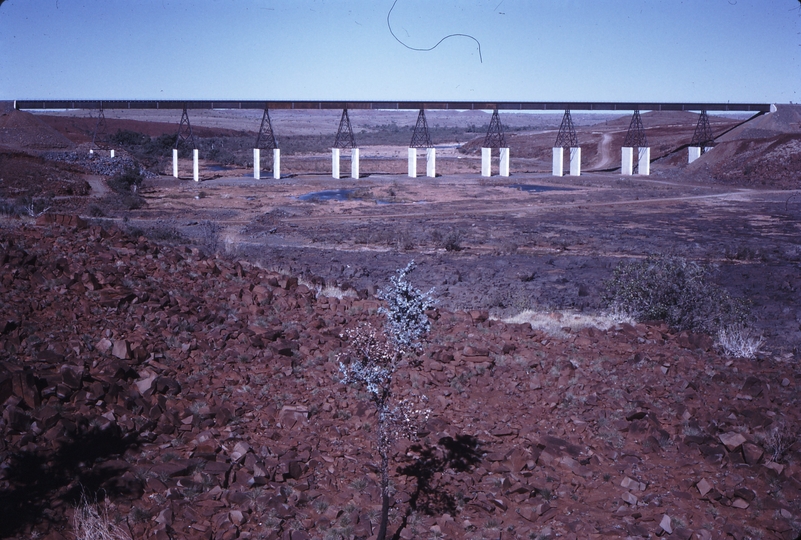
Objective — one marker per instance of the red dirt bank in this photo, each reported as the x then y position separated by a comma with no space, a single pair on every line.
202,396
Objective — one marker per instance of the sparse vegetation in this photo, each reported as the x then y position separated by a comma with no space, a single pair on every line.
210,235
451,240
148,150
126,183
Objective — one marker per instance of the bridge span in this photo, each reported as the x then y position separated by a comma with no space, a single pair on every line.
389,105
703,139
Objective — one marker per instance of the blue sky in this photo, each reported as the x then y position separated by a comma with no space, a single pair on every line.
537,50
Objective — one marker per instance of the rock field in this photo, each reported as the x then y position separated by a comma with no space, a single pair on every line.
201,396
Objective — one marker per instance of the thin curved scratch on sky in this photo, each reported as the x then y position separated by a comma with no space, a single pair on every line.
389,25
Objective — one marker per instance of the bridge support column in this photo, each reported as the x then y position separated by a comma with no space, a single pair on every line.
694,152
335,163
431,162
257,163
277,163
195,166
627,161
412,162
354,163
175,162
486,162
644,161
111,154
575,161
504,165
558,161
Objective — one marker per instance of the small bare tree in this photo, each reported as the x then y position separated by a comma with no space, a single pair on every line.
374,357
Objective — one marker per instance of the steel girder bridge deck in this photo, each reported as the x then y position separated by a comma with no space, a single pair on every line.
390,105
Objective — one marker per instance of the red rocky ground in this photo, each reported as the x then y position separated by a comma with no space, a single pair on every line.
201,396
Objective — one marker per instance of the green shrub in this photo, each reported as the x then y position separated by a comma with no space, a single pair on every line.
674,290
451,240
127,138
126,183
210,235
9,209
94,210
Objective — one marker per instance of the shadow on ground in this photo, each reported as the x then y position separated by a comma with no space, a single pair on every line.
40,481
459,454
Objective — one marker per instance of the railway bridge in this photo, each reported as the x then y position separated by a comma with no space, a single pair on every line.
635,140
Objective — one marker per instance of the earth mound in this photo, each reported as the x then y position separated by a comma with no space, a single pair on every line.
22,174
22,130
765,151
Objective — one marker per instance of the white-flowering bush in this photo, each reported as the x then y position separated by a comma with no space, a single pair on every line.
407,321
403,420
371,360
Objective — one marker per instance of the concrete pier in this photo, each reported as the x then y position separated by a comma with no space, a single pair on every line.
486,162
175,162
431,162
644,161
627,161
257,163
575,161
111,154
558,161
412,163
354,163
277,163
504,164
335,163
694,152
195,166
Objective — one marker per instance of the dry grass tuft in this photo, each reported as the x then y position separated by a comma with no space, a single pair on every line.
553,322
739,342
329,291
92,523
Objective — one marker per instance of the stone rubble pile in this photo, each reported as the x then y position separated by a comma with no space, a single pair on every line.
202,397
101,165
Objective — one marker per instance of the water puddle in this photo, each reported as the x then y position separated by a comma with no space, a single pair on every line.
536,189
329,195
